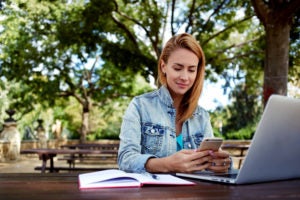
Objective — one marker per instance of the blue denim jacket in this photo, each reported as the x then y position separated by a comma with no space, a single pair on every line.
148,130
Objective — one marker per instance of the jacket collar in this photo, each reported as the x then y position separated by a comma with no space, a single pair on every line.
165,96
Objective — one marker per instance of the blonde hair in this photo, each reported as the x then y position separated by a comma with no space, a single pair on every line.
190,99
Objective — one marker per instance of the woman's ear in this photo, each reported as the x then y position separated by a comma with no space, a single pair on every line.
163,67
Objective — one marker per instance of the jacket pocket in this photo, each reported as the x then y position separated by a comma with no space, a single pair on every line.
197,138
152,138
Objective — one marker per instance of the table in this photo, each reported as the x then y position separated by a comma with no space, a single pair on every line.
49,154
65,186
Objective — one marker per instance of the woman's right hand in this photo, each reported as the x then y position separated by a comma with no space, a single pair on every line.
184,161
188,161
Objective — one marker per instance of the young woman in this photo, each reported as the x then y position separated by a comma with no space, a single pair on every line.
162,130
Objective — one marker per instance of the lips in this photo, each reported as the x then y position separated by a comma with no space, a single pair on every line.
181,85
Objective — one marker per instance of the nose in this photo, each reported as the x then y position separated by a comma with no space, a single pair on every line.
184,75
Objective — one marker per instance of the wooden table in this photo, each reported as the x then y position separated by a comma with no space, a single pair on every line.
49,154
65,186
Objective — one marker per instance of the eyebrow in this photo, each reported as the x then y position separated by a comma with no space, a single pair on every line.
181,65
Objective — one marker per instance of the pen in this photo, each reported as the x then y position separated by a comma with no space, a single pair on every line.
154,176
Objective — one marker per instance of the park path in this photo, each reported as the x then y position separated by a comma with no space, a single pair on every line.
22,165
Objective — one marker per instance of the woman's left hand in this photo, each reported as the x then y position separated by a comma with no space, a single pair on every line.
220,161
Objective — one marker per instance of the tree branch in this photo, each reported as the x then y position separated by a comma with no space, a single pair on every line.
237,45
241,56
90,75
216,10
226,29
261,9
288,11
172,17
123,27
153,42
190,16
275,10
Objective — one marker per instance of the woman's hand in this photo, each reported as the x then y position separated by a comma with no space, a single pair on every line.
189,161
185,161
220,161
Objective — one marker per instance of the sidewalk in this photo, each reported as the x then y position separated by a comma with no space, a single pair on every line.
22,165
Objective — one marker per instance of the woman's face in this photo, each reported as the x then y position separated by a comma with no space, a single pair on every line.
180,71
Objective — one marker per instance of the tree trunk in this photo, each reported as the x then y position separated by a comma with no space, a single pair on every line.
85,123
277,59
276,16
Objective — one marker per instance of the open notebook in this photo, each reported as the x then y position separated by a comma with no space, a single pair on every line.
114,178
275,148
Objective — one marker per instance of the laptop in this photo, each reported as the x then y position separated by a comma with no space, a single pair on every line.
274,152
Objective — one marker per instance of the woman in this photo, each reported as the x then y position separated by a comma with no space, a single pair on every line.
161,130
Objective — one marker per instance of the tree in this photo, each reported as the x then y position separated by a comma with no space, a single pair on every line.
48,46
51,43
277,18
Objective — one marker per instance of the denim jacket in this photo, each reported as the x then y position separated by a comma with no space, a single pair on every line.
148,130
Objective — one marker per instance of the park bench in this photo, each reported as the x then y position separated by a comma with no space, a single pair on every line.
46,154
109,156
73,169
237,152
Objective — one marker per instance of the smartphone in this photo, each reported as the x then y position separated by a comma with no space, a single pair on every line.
210,144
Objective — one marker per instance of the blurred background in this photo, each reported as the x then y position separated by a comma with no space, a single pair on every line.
71,67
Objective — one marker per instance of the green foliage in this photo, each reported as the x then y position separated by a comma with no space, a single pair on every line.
217,133
52,43
245,133
55,42
294,58
244,110
104,121
3,100
78,56
238,119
